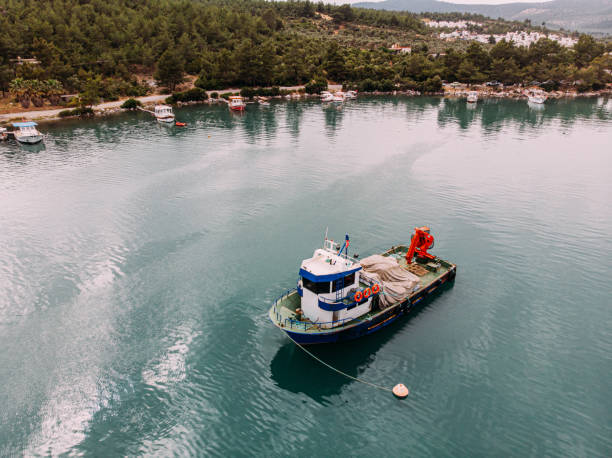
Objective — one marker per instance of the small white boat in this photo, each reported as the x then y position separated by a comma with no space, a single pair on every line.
536,97
3,134
338,97
164,113
26,133
327,97
472,97
350,94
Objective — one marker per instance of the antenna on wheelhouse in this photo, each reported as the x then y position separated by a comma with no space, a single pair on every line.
326,229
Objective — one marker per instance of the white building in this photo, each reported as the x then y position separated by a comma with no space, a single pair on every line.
519,38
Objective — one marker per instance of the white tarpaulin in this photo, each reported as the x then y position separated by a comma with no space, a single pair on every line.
396,282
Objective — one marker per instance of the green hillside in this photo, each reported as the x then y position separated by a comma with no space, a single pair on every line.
98,47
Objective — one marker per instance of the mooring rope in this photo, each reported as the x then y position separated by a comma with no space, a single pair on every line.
338,370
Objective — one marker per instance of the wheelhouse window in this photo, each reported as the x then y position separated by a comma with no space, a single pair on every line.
343,282
316,287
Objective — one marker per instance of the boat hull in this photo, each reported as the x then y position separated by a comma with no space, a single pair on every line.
167,119
29,139
375,324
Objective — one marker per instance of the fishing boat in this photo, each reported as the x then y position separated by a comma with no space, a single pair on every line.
350,94
338,97
26,133
339,297
164,113
327,96
472,97
3,134
236,103
538,97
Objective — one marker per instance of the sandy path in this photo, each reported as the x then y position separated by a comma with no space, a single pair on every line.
45,114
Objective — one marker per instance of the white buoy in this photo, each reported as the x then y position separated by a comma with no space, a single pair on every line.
400,391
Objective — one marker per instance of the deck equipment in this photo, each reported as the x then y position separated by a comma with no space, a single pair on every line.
421,241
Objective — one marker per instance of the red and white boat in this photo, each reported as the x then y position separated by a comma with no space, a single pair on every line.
236,103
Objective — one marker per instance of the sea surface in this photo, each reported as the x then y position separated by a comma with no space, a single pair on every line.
138,262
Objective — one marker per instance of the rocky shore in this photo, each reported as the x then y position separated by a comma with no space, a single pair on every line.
149,102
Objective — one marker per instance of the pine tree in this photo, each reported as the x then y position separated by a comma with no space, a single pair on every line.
169,69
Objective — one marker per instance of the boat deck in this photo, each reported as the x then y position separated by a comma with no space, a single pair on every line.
283,313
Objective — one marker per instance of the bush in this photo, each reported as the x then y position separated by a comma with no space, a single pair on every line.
431,84
206,83
81,111
316,86
131,104
196,94
550,85
367,85
192,95
249,92
214,95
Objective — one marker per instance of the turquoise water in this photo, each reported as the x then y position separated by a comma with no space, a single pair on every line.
138,262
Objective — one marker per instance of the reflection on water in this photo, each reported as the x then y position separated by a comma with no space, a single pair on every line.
138,262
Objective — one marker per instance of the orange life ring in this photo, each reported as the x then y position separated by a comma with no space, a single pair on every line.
358,296
367,293
375,288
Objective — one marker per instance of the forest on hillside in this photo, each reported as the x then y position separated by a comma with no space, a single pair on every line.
98,47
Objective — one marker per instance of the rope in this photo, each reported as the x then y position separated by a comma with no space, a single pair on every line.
339,371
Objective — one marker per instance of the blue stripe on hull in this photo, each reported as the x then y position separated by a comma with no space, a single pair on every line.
368,327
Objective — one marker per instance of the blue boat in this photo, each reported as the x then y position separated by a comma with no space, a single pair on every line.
339,297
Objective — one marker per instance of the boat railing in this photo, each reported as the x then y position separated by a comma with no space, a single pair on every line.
280,298
306,325
332,305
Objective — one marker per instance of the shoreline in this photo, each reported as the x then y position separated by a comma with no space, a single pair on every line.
109,108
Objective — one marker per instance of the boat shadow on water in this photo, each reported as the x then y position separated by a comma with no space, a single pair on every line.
295,371
15,149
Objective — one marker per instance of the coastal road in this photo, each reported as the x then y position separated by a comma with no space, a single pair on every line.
46,114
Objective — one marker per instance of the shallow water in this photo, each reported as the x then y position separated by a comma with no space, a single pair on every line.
138,262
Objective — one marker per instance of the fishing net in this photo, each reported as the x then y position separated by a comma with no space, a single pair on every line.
396,282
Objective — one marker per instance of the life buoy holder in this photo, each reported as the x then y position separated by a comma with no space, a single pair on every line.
358,296
367,293
375,289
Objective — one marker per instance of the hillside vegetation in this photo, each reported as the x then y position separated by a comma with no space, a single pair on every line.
96,47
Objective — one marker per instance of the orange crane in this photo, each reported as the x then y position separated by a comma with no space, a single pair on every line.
421,241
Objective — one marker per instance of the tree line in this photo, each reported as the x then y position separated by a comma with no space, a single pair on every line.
100,46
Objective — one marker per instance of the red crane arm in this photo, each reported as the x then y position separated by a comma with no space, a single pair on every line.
422,240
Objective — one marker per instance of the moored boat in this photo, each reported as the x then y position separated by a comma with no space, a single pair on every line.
26,133
327,96
340,298
236,103
350,94
472,97
164,113
338,97
538,97
3,134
